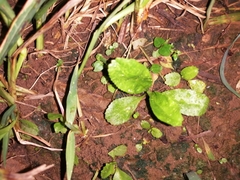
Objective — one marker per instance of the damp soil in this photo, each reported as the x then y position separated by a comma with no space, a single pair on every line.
166,158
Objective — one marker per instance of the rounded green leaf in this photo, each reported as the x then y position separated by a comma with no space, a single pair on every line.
115,45
157,42
139,147
136,115
197,85
109,52
191,103
165,50
172,79
189,72
156,132
145,124
156,68
118,151
98,66
129,75
165,108
120,110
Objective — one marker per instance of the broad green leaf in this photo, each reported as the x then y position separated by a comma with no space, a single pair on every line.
129,75
145,124
5,130
197,85
29,127
157,42
70,154
191,103
25,15
189,72
156,132
108,170
156,68
118,151
165,108
71,104
165,50
59,128
120,110
121,175
172,79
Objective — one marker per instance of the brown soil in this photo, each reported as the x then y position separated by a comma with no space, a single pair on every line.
165,158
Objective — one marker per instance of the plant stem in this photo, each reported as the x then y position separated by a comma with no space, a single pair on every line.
208,13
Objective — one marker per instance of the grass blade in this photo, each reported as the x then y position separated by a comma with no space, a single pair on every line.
70,153
5,141
71,107
26,14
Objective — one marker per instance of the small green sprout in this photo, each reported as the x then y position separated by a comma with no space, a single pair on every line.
136,115
111,49
198,149
111,168
222,160
155,132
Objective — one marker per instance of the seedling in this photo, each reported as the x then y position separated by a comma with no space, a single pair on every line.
198,149
164,48
223,161
111,168
111,49
155,132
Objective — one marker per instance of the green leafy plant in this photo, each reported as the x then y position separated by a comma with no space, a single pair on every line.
9,88
134,78
164,48
111,168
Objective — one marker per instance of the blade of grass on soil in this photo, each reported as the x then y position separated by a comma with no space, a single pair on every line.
25,15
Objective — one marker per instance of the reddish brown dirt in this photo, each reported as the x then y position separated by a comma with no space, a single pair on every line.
166,158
